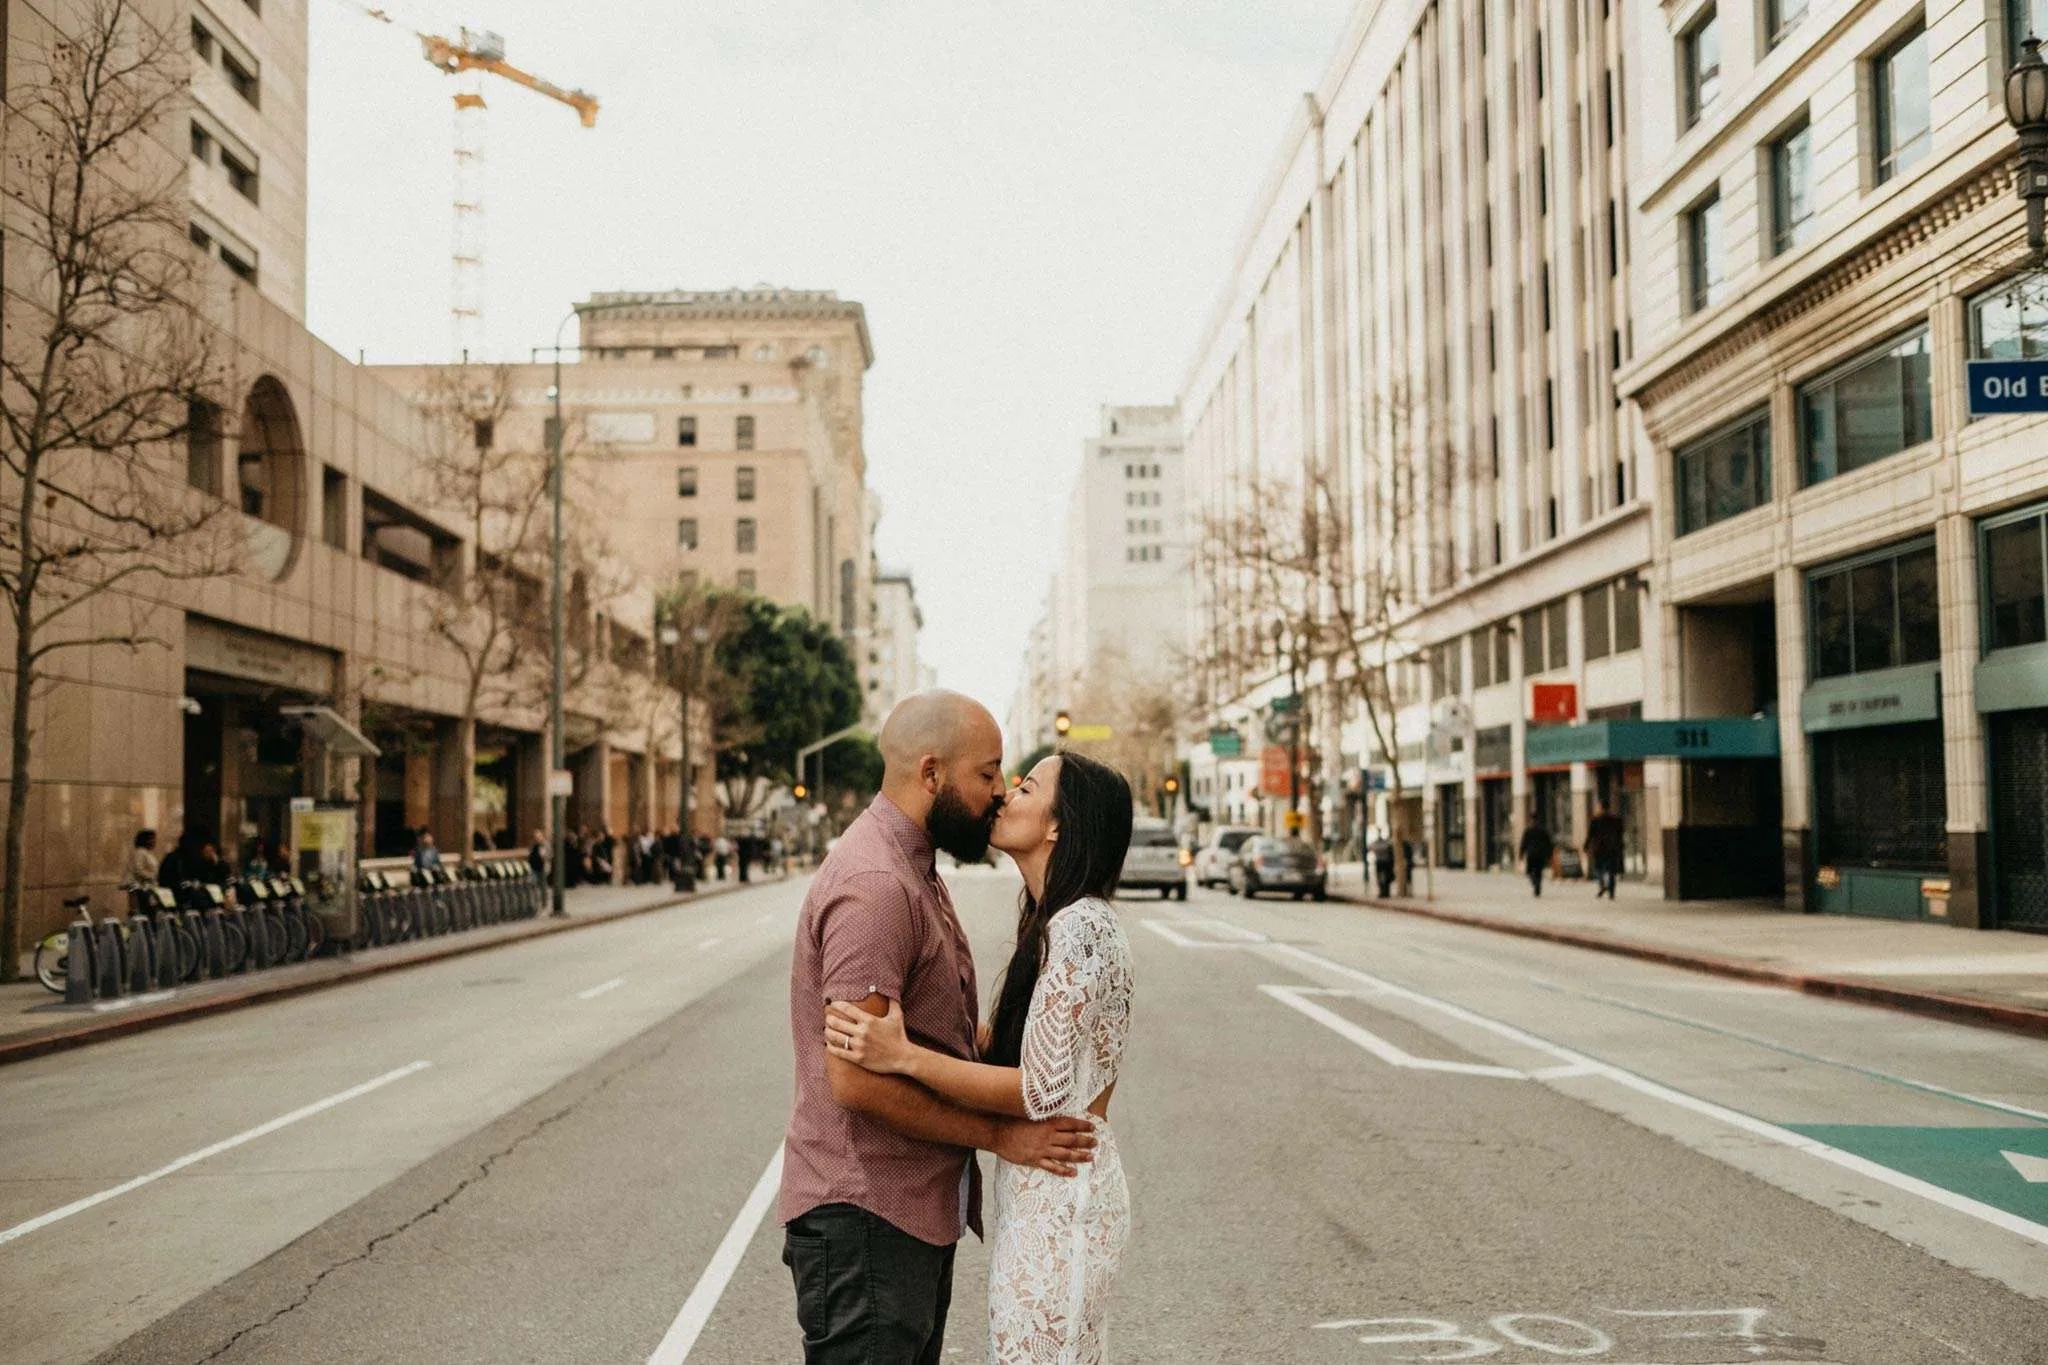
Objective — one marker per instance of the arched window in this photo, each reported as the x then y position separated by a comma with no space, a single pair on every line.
270,464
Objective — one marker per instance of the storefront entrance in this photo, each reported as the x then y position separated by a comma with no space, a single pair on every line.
1880,817
1450,822
1496,823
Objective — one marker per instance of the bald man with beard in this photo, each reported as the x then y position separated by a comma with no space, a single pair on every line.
879,1181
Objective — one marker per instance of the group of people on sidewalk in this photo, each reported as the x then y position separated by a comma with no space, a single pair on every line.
197,858
1603,849
599,858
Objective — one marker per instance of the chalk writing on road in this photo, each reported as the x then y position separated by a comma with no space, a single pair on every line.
1549,1336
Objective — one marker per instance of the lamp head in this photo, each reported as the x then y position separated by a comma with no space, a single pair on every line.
2026,89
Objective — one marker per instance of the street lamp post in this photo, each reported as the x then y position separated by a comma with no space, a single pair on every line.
671,636
558,802
2026,106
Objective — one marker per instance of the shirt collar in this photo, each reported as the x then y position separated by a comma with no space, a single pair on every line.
906,834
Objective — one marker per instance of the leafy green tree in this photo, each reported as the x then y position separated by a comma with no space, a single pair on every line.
1032,760
853,773
786,680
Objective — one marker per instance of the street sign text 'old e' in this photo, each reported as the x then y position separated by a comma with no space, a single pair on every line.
2008,386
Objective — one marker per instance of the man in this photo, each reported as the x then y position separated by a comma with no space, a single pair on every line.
1603,851
878,1178
1382,851
1536,850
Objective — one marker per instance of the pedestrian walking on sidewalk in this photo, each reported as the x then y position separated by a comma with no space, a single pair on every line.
1381,852
1603,851
1537,847
537,856
721,853
141,869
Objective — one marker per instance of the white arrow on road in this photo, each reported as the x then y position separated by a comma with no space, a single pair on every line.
2032,1169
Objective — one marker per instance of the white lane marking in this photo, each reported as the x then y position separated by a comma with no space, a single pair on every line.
1899,1180
682,1333
1378,1046
1221,934
709,944
600,988
760,920
226,1144
2032,1169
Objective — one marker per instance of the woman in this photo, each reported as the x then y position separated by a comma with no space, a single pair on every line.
1053,1047
142,867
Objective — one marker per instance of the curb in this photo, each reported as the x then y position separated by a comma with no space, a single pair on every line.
340,971
1960,1009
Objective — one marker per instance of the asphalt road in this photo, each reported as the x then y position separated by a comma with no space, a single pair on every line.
1350,1137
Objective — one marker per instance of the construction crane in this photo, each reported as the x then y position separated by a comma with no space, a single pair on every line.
469,57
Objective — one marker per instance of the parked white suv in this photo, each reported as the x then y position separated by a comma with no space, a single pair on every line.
1213,859
1154,861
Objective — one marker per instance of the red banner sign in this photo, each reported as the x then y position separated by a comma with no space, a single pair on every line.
1273,770
1553,703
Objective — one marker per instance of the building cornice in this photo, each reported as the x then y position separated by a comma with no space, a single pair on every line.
749,304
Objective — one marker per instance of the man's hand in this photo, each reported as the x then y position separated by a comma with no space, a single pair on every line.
1059,1145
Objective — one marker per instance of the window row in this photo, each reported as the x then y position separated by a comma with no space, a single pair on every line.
1144,554
742,429
1902,135
743,482
1142,526
746,534
206,147
229,256
241,75
1145,498
1141,471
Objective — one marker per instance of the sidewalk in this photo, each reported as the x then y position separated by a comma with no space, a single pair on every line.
33,1022
1999,978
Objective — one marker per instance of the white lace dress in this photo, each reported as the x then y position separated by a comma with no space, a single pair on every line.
1058,1240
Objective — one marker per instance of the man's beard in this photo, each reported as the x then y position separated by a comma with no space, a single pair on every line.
956,828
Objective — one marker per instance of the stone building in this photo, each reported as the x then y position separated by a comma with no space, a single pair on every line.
895,670
344,562
718,435
1847,566
1426,313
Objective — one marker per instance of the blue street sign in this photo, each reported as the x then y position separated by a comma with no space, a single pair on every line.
2008,386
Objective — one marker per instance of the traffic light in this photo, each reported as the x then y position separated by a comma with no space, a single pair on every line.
1172,785
1062,723
800,791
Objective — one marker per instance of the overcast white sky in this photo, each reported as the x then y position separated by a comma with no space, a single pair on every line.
1036,203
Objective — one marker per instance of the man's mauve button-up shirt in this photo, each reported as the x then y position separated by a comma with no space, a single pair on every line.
878,921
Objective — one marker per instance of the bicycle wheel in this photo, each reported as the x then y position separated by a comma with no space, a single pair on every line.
316,932
190,959
53,959
234,947
294,936
280,940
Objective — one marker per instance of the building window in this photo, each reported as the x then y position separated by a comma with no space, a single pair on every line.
686,533
743,483
334,507
203,445
1791,188
664,353
2023,19
747,580
202,42
743,433
1879,611
721,353
1699,62
242,79
1899,92
483,433
1779,18
1447,669
244,269
202,144
1723,474
686,431
241,177
1875,406
2011,322
1545,646
746,532
1703,254
1628,615
2014,575
1596,606
201,238
686,481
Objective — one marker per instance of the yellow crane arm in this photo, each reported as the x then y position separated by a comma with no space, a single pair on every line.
453,57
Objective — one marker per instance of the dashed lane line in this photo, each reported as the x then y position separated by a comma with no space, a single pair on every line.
600,988
682,1334
227,1144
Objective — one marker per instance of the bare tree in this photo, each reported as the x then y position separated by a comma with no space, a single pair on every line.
491,612
1143,714
105,360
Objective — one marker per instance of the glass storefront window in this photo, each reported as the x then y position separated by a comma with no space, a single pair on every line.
1904,121
1881,797
1724,474
2013,584
1873,407
1877,612
2011,321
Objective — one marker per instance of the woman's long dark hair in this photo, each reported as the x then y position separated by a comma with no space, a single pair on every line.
1091,804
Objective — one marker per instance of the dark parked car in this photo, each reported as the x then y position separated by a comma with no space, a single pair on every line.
1285,865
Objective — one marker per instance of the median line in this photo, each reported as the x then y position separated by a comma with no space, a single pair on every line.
682,1334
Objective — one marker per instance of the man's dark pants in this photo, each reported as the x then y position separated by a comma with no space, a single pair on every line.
867,1293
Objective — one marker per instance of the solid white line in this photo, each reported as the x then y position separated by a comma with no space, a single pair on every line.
682,1333
1380,1047
1735,1118
193,1158
709,944
600,988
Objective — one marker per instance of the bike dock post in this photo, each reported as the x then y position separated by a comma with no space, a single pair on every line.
108,961
78,963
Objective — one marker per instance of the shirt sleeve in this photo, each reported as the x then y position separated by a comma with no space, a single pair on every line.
868,936
1057,1027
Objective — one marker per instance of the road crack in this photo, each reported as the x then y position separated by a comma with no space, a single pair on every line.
477,1176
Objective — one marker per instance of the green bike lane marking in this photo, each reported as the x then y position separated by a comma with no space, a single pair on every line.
2003,1167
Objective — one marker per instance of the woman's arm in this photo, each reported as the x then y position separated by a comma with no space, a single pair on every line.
879,1044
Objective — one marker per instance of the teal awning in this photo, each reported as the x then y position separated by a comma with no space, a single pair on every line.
1889,696
1630,741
